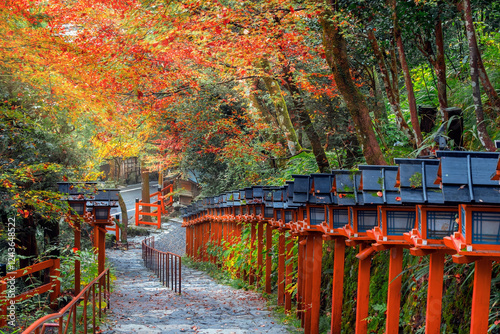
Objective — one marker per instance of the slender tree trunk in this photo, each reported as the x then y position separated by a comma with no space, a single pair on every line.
474,71
124,224
379,110
391,93
306,122
262,110
282,115
440,68
336,56
145,192
406,72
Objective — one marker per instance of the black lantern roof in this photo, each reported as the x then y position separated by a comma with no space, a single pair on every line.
378,184
279,198
466,176
416,181
257,195
346,184
105,197
77,191
320,191
268,195
288,196
301,188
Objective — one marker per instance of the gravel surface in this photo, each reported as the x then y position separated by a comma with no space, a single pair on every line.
140,304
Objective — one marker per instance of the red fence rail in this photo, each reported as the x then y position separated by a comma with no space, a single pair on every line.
96,292
167,266
53,286
159,207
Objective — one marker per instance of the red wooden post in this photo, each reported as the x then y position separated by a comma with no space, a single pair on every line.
76,224
289,271
281,268
307,286
338,285
316,283
260,248
481,297
394,290
300,279
251,278
363,296
269,264
136,212
434,293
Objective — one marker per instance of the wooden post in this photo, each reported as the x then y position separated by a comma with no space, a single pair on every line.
269,264
300,279
288,271
435,293
307,283
481,297
251,278
363,296
78,246
281,268
316,283
338,285
394,290
260,248
136,212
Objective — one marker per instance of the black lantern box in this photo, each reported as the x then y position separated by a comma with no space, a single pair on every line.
248,209
361,218
301,193
235,204
319,199
256,207
242,205
268,211
290,207
104,200
469,178
378,185
434,220
184,216
278,203
218,207
77,194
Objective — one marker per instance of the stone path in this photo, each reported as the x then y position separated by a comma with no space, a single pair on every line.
140,304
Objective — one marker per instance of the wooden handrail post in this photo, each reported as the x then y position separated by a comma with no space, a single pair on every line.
55,273
394,290
136,212
338,285
281,268
481,296
269,264
363,296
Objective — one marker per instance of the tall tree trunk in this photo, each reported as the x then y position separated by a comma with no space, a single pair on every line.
124,223
474,71
262,110
306,122
391,90
440,68
406,72
145,192
336,56
379,109
282,115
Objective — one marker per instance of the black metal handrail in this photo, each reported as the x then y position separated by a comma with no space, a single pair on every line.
167,266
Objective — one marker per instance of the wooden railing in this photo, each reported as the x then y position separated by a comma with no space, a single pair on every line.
159,207
6,296
95,294
167,266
